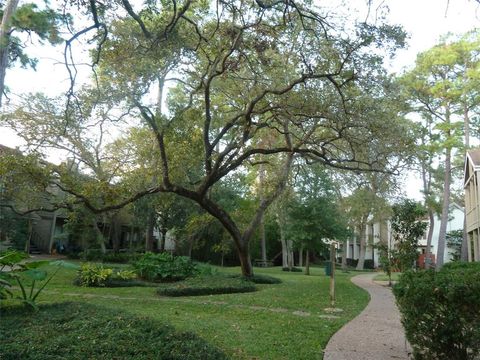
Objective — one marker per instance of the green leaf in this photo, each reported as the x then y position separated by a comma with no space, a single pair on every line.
12,257
36,264
36,274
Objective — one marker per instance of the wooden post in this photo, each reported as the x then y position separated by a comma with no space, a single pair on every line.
332,275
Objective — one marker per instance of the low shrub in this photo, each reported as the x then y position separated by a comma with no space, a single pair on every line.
205,269
108,257
260,279
441,311
206,285
84,331
120,258
164,267
94,275
91,255
264,279
292,269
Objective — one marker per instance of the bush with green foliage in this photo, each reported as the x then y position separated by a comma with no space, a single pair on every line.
441,311
108,257
205,269
164,267
207,285
260,279
264,279
292,269
120,257
407,227
94,275
14,227
84,331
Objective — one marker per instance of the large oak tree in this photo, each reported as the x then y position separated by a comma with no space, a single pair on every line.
237,72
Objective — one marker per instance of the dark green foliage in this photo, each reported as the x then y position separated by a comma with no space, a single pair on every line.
207,285
454,241
29,19
205,269
441,311
407,228
292,269
314,213
164,267
387,259
260,279
265,279
81,331
108,257
14,227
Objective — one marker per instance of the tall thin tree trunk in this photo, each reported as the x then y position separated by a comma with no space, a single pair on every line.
149,239
290,260
5,27
163,239
261,175
445,208
431,220
99,236
363,244
307,262
116,233
300,256
283,241
466,124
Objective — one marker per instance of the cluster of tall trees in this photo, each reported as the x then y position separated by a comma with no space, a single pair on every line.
442,89
242,108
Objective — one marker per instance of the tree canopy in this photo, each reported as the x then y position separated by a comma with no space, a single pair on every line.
242,84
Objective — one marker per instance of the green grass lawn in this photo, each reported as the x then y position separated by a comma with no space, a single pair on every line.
279,321
384,277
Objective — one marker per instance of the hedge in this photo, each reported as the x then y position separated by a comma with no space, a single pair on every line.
441,311
206,285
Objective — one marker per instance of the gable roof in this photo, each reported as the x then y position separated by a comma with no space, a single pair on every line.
472,158
474,155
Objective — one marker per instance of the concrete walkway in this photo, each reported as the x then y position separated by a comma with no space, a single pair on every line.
375,334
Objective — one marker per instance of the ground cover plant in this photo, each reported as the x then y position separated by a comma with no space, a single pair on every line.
278,321
83,331
441,311
207,285
262,279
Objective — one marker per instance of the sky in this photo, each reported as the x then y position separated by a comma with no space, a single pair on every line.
424,20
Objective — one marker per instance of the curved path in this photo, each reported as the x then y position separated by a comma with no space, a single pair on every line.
375,334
